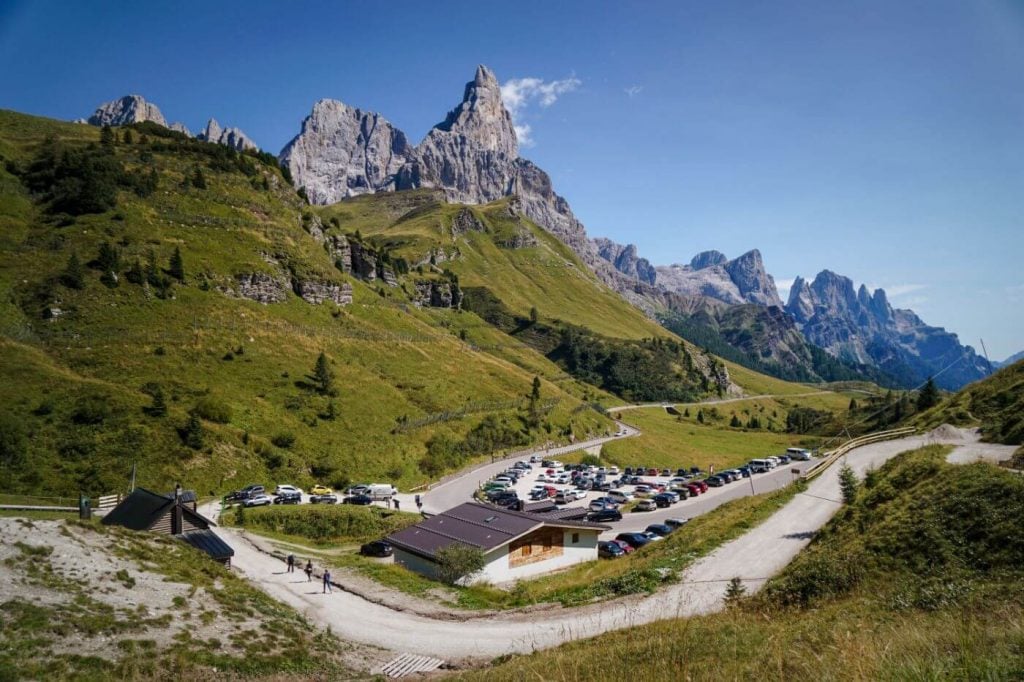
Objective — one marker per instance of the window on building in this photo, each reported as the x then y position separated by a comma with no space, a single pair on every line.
575,538
527,549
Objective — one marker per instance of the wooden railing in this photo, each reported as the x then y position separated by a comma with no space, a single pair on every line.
830,457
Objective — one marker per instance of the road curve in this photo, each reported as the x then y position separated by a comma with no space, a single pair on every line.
756,556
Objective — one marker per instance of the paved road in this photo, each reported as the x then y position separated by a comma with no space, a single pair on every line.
720,401
754,557
458,490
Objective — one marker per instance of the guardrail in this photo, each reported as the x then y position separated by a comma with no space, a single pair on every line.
830,457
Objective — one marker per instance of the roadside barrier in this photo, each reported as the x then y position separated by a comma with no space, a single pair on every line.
830,457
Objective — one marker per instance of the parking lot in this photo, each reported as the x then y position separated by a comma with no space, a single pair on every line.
694,505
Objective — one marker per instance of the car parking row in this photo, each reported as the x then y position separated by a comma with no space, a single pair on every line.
257,496
609,491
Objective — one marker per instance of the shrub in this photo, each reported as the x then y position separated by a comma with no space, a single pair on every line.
213,409
91,410
284,439
457,561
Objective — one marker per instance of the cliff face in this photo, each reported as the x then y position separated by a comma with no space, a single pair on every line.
863,327
738,281
135,109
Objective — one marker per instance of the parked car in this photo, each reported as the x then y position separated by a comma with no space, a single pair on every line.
245,493
661,529
603,486
605,516
358,499
534,459
662,500
652,536
666,472
626,547
536,495
361,489
330,498
599,504
285,488
610,550
695,488
714,481
676,523
783,459
642,490
652,472
288,498
320,490
635,540
628,471
683,473
681,491
645,506
620,496
744,471
377,548
259,500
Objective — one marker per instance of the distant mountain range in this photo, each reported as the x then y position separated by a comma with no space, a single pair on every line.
473,157
1016,357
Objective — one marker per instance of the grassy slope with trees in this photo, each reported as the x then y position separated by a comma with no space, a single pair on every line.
122,345
919,578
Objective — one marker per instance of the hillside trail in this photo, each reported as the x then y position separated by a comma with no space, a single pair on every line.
754,557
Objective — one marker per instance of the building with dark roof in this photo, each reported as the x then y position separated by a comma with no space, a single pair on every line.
172,514
515,544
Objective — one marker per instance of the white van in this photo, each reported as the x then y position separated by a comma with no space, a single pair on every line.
620,496
774,461
799,454
381,491
759,466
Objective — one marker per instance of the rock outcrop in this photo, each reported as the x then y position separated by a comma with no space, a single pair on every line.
229,137
626,260
863,327
738,281
179,127
437,294
127,110
261,287
316,292
343,152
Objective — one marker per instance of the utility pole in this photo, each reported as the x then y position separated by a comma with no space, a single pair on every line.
985,351
133,477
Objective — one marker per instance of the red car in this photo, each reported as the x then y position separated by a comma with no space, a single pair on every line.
694,488
551,490
652,472
550,472
703,486
627,548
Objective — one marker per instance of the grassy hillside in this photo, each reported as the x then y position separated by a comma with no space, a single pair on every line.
129,261
920,578
996,404
76,386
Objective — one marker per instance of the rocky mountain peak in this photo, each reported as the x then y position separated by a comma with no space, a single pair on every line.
626,260
752,280
481,117
129,109
343,152
707,259
229,137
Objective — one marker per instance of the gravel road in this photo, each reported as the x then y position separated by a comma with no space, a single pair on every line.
759,554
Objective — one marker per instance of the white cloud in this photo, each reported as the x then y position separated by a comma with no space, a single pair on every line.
520,93
900,291
634,90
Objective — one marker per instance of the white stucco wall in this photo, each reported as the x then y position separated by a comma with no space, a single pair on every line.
498,570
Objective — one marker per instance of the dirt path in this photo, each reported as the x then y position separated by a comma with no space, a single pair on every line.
756,556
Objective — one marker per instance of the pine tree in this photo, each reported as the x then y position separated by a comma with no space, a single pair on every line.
159,406
107,137
152,271
686,412
534,315
109,257
332,412
177,268
928,396
198,179
109,279
73,276
323,378
535,391
853,404
735,422
194,435
734,591
135,274
128,137
848,483
700,416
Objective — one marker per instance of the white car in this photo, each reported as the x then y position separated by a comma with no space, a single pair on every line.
534,459
620,496
285,489
581,493
258,501
543,479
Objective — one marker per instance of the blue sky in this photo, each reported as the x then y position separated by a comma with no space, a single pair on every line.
882,140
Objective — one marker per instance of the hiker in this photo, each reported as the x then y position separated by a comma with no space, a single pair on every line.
327,581
309,570
419,502
291,563
396,504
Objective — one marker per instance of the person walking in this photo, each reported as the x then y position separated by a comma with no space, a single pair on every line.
419,502
309,570
396,504
291,563
327,581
